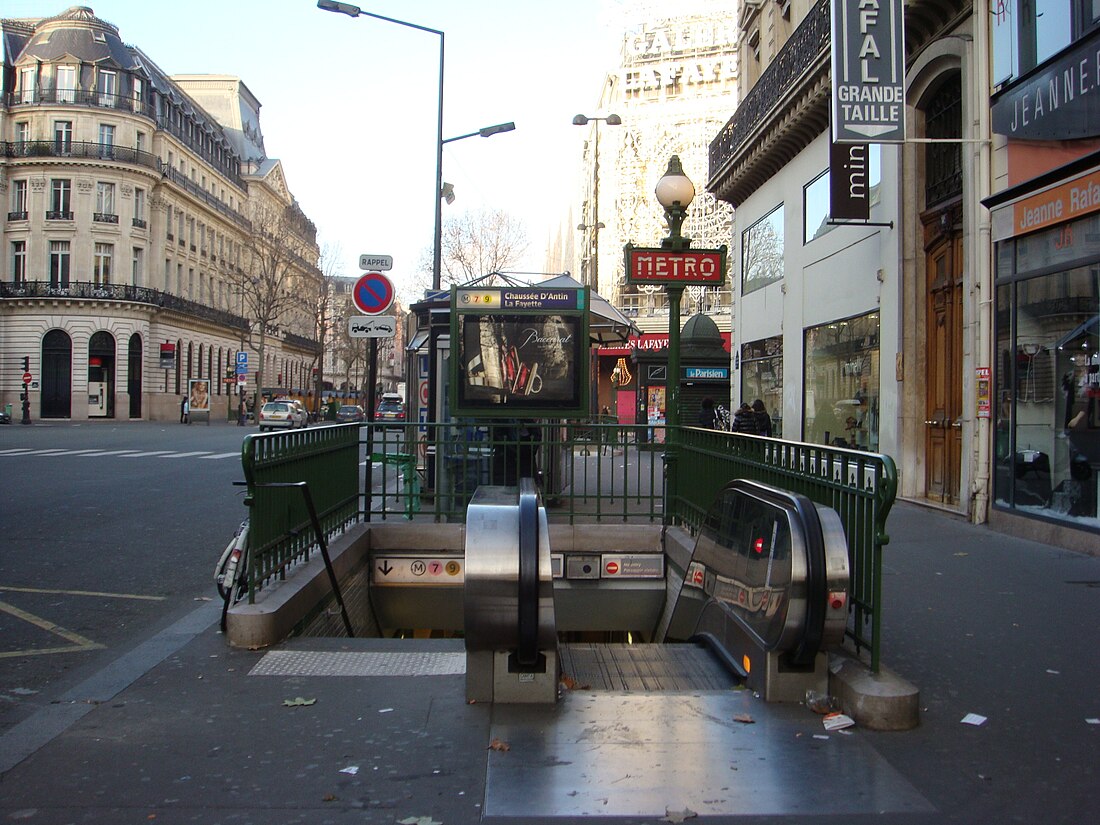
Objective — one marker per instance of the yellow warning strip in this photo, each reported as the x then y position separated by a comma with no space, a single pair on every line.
79,642
4,588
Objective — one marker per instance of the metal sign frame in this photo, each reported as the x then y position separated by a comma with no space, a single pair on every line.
520,352
868,71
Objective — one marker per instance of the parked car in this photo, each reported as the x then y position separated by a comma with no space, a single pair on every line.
350,413
391,410
283,414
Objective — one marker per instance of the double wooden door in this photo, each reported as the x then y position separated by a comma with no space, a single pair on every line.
943,373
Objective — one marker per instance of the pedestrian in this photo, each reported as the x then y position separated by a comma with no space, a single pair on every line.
744,420
707,417
761,418
183,409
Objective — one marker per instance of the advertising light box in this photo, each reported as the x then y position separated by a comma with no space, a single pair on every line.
519,352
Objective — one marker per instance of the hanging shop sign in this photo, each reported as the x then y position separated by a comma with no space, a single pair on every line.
167,356
868,69
849,182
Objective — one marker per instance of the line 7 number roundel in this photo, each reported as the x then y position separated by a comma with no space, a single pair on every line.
373,293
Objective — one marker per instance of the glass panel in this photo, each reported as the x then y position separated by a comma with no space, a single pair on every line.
841,404
762,378
1005,378
1056,391
762,252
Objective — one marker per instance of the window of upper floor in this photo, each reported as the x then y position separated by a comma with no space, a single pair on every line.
816,196
762,252
66,84
1026,33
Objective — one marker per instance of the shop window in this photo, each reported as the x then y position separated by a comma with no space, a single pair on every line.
762,377
841,385
1047,425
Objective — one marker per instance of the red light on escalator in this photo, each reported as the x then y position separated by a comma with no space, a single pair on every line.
758,545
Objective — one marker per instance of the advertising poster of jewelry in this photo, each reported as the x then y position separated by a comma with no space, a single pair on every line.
518,363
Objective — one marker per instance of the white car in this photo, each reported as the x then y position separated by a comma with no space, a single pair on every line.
283,414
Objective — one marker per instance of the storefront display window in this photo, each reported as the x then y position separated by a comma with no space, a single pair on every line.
841,386
1048,383
762,377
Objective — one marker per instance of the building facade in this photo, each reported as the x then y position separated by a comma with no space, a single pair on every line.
148,240
952,328
675,86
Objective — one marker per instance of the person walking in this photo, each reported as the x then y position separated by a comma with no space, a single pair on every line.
183,409
744,421
707,417
762,420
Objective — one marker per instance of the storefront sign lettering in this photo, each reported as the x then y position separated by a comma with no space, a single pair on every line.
868,102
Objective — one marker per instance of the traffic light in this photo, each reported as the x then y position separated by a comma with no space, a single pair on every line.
26,363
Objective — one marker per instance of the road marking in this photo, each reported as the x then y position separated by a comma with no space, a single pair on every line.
113,452
79,642
223,455
151,452
15,451
185,455
96,593
72,452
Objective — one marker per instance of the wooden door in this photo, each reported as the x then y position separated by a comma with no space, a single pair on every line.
943,378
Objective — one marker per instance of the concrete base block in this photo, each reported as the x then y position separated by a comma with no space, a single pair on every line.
879,701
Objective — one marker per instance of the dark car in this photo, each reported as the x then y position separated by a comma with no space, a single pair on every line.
350,413
390,411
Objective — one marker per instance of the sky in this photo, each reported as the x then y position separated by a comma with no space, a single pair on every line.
350,105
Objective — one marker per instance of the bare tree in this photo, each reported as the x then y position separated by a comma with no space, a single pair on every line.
475,244
277,267
321,304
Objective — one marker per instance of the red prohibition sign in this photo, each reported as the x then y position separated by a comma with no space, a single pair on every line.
373,293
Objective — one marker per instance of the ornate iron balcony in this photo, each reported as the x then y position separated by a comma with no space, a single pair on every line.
58,215
104,217
17,216
798,75
138,223
77,149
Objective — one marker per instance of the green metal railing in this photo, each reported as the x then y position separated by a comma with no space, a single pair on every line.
587,471
860,486
280,526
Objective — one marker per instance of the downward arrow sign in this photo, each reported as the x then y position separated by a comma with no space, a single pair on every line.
385,568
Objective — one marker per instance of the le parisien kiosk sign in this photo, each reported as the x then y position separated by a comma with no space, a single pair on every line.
646,265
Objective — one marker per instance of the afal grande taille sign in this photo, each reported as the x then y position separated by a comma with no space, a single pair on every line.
868,66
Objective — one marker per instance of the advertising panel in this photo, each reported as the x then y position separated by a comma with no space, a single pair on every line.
509,362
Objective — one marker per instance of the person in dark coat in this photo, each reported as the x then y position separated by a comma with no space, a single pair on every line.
707,417
761,418
744,421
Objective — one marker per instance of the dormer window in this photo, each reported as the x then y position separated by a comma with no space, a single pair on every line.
66,84
784,9
754,44
108,88
99,37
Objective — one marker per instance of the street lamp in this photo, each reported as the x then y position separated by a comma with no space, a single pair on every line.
596,226
355,11
675,192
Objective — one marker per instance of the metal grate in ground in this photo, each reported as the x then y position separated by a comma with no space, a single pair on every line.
359,663
645,667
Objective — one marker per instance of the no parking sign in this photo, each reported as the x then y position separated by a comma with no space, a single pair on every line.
373,293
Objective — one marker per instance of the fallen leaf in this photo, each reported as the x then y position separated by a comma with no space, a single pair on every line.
497,745
329,797
418,820
744,719
298,702
569,683
679,816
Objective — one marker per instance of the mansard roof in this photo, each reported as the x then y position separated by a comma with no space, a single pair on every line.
79,34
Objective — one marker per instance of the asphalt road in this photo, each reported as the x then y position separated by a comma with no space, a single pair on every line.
109,532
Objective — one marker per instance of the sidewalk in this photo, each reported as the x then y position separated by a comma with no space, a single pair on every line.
185,729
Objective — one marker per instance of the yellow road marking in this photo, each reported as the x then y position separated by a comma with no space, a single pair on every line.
4,588
79,642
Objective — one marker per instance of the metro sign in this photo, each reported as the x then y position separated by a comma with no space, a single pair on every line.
665,266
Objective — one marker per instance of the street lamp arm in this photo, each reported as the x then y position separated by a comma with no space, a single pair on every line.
355,11
485,131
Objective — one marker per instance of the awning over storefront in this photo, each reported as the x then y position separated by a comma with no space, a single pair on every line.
606,325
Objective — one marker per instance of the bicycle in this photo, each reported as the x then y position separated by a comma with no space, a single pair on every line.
231,571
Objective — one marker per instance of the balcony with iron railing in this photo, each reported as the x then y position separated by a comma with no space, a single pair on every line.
78,150
785,111
81,97
86,290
